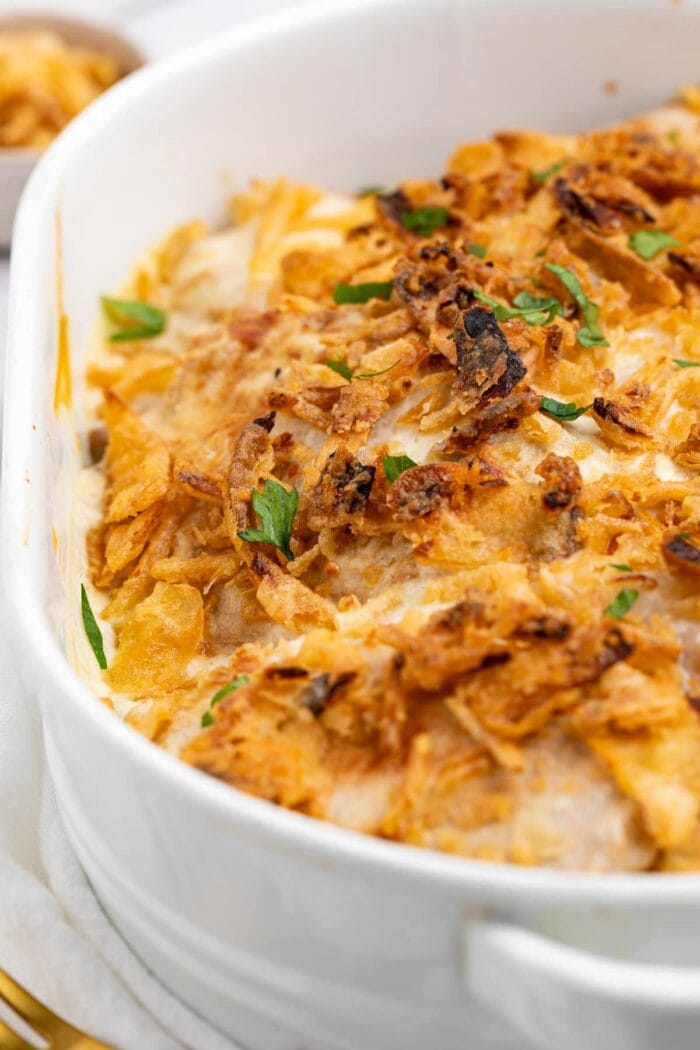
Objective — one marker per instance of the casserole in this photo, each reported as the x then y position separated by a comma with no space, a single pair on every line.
282,931
436,650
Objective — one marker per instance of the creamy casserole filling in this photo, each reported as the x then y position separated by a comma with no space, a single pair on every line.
398,515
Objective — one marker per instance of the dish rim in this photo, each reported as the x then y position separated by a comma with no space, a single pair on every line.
325,842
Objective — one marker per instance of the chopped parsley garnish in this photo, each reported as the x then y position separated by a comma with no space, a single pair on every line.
93,632
531,306
685,364
424,221
207,717
370,191
134,320
362,293
621,567
394,466
477,249
533,309
589,334
501,311
236,683
340,365
648,243
276,506
542,176
373,375
564,410
673,135
622,603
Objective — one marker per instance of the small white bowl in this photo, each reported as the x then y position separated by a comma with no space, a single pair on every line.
16,164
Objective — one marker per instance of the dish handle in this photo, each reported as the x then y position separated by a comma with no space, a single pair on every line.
558,996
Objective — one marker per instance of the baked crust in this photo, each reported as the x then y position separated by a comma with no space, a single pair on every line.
453,657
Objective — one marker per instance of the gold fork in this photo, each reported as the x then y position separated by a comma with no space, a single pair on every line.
57,1033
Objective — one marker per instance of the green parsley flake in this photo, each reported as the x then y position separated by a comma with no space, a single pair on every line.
394,466
537,310
362,293
93,632
563,410
236,683
622,603
373,375
542,176
533,309
343,369
589,334
134,320
276,506
424,221
685,364
207,717
621,567
477,249
648,243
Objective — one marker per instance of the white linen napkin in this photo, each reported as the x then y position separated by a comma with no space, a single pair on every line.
54,937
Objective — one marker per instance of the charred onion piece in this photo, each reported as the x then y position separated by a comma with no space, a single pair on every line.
562,481
680,553
545,626
688,264
394,206
486,365
618,416
342,491
252,446
267,422
420,490
323,688
285,672
581,206
495,416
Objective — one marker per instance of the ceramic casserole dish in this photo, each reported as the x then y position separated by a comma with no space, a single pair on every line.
282,931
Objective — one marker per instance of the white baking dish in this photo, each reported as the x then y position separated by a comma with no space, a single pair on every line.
284,932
